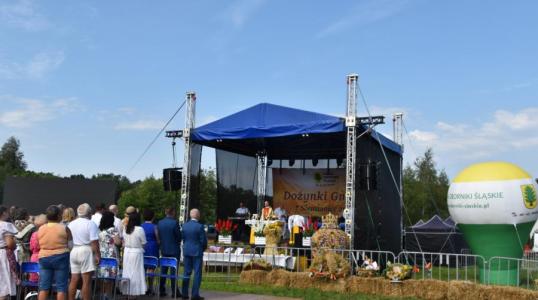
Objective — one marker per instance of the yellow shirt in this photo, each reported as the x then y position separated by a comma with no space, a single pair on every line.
52,239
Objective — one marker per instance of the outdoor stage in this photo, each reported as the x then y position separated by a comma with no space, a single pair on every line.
297,160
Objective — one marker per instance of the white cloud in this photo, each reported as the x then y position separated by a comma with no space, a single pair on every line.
363,14
505,132
423,136
139,125
240,11
28,112
36,68
22,14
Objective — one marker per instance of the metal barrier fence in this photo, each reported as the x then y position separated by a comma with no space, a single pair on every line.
228,266
443,266
512,271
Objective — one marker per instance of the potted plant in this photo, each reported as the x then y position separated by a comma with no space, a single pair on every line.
225,229
310,229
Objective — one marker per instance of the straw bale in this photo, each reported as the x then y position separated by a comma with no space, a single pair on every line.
253,277
425,289
301,280
279,277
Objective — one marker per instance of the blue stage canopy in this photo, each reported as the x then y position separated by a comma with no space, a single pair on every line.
262,125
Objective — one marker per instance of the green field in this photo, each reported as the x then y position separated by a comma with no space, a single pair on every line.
313,294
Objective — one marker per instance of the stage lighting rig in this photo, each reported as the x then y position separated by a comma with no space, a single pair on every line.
173,134
373,120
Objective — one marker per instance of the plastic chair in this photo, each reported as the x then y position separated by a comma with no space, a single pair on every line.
151,262
28,268
172,264
107,262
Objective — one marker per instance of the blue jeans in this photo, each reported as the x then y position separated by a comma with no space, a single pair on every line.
191,263
54,267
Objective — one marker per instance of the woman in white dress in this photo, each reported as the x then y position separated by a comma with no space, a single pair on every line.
134,240
7,243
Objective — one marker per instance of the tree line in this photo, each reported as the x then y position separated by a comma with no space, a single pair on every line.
142,194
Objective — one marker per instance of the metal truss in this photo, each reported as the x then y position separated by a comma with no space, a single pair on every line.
351,153
186,175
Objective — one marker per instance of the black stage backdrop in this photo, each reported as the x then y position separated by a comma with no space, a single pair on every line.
36,194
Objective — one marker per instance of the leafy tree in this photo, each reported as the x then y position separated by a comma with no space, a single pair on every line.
11,158
425,189
11,161
208,196
148,194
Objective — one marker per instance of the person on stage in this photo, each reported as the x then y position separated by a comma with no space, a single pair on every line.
267,211
242,211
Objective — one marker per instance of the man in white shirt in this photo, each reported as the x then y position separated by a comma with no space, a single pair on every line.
96,218
85,254
118,225
242,211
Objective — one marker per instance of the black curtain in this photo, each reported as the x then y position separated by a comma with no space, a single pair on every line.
236,181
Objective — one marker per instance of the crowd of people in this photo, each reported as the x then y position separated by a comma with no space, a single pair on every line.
70,244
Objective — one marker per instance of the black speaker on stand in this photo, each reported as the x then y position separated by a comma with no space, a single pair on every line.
172,179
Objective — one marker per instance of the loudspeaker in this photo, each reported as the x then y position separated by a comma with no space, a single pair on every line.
172,179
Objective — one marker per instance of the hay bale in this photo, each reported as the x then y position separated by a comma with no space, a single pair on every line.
458,290
253,277
279,277
300,280
508,292
425,289
467,290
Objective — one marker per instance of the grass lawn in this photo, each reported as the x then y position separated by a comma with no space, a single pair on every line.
313,294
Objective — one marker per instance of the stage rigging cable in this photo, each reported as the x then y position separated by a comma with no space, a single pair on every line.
155,139
388,164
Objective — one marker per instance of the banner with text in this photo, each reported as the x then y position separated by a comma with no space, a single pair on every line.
313,192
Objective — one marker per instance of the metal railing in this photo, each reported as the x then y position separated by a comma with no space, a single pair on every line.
512,271
444,266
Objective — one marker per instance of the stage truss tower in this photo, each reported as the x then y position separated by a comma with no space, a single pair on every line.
261,158
397,126
186,175
351,153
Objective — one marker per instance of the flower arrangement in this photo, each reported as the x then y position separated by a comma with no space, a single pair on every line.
225,227
310,228
398,272
258,229
369,268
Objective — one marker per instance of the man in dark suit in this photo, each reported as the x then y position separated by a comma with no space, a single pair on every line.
170,237
194,244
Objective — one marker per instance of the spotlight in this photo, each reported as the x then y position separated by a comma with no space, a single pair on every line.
291,162
315,162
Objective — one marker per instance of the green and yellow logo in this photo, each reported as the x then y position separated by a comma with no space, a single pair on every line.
529,195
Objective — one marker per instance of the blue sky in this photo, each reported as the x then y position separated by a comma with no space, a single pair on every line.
85,85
